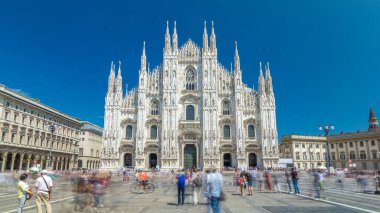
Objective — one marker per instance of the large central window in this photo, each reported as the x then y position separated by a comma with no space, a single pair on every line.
227,132
190,114
251,131
190,79
153,132
128,132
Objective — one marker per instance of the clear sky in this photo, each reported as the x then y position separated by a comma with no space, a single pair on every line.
324,55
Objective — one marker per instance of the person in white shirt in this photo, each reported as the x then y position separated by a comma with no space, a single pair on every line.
44,186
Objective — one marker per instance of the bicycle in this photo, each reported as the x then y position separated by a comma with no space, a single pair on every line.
138,187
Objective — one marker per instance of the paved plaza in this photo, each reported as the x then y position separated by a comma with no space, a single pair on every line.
118,198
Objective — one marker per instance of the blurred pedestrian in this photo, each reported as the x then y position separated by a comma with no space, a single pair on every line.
321,180
267,176
214,183
276,176
316,184
288,180
197,185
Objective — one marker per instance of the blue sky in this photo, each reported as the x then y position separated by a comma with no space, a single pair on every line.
324,55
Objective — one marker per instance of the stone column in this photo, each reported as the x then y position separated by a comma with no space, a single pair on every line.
61,165
13,161
4,162
28,163
21,161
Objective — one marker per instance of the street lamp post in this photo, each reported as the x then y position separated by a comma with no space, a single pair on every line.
327,129
51,127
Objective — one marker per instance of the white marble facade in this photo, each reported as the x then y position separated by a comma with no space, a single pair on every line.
190,111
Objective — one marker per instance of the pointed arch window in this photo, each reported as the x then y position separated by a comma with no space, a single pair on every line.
190,79
227,131
226,108
128,132
251,131
154,107
190,114
153,132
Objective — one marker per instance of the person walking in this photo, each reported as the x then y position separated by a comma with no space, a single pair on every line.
276,176
22,192
295,179
44,186
321,180
288,180
316,184
181,183
267,176
214,185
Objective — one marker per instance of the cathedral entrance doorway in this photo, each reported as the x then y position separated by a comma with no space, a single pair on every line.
190,156
128,159
152,160
227,160
252,160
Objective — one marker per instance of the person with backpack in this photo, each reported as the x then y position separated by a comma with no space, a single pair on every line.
197,185
249,179
181,184
23,192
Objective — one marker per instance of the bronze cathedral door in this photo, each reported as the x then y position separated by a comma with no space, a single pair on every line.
190,156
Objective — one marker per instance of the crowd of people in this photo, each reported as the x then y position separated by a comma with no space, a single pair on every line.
201,186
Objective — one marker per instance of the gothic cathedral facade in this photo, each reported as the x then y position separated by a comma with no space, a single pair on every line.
190,111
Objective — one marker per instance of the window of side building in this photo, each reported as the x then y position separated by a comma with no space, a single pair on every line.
373,143
80,151
351,144
361,143
374,154
352,155
340,145
363,155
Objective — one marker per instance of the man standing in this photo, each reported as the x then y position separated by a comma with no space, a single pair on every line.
214,186
44,186
295,178
181,183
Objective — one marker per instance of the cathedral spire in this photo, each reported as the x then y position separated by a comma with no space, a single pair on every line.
175,37
212,38
261,81
268,77
373,122
118,81
111,79
167,37
119,70
143,59
237,58
205,38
